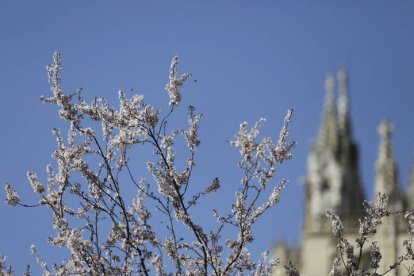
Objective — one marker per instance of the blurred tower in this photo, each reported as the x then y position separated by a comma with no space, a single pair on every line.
392,230
333,183
386,181
332,180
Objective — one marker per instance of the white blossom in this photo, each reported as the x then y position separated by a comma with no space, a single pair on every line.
12,198
175,83
34,181
375,256
409,216
336,268
191,135
4,270
337,227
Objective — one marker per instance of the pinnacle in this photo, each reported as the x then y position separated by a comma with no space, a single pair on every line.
328,131
343,103
386,169
385,130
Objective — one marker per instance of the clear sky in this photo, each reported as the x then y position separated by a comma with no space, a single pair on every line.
251,59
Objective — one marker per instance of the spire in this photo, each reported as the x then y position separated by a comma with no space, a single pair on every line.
386,170
328,134
343,103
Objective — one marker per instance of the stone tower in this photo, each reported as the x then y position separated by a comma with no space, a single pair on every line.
332,179
333,182
386,181
392,231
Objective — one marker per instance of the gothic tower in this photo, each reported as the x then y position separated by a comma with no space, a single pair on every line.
332,180
386,182
333,183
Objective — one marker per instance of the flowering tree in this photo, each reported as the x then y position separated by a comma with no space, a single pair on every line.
109,233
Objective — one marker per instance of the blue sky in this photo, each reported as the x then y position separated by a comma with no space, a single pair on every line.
250,60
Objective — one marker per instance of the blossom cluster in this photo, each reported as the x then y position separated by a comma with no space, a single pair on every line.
4,270
352,262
